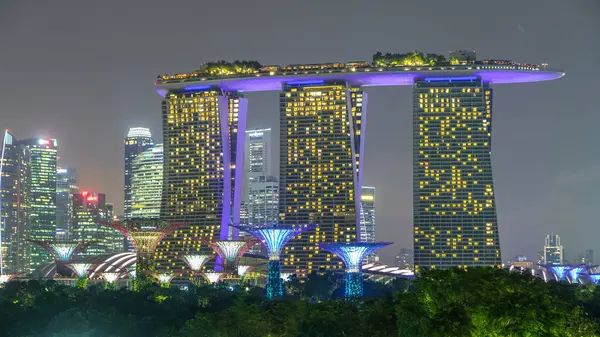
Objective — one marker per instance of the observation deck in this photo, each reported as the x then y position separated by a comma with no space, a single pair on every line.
370,76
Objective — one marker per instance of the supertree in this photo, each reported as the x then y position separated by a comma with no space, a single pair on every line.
274,237
213,277
5,278
352,254
164,279
593,277
559,271
144,235
196,262
243,269
575,271
111,279
230,251
63,251
80,269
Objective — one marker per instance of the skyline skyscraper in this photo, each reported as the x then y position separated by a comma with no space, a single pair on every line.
66,188
146,183
204,133
553,250
14,206
90,209
321,135
41,224
138,140
367,218
453,194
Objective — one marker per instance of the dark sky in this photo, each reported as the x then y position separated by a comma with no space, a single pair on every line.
83,72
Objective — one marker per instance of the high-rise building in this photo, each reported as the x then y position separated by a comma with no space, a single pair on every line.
322,133
90,210
42,199
367,218
405,259
146,183
257,159
263,201
66,188
14,206
204,131
454,205
553,250
138,140
586,258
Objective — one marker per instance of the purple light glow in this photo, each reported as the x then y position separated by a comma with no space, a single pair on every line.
371,78
226,204
239,165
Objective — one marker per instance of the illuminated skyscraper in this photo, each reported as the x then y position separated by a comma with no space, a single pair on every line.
203,130
146,183
322,129
367,218
454,206
42,196
14,206
138,140
91,209
66,188
553,250
261,194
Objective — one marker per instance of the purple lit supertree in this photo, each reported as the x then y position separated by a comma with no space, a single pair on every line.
352,254
230,251
274,237
63,251
144,235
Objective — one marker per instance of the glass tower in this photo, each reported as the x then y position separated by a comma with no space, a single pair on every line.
146,183
90,210
14,206
66,188
553,250
138,140
321,134
42,196
367,218
453,195
204,131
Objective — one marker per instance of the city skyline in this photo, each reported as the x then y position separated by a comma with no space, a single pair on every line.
537,185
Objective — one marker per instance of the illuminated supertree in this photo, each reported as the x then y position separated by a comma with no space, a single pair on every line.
164,279
213,277
111,279
352,254
5,278
63,251
593,277
560,272
80,269
244,269
231,251
196,262
274,237
144,235
574,273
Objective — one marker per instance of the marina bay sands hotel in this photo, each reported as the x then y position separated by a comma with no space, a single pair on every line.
323,128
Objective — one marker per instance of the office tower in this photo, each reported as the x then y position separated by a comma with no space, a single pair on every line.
586,258
405,259
553,250
66,188
257,161
367,218
42,196
14,206
263,201
138,140
454,208
90,210
322,129
203,130
146,183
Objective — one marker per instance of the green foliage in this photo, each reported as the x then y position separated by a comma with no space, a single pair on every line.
221,67
477,303
414,58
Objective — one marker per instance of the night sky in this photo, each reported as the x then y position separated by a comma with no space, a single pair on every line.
83,72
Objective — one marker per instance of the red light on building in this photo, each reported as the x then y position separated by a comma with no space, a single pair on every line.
84,193
92,198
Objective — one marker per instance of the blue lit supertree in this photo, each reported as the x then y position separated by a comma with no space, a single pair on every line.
559,271
274,237
575,271
594,278
352,254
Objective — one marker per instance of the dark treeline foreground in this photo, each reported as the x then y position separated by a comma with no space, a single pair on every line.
481,302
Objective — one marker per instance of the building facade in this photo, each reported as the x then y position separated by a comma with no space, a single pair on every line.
147,183
553,250
138,140
367,218
453,194
14,206
321,135
90,210
203,131
66,188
